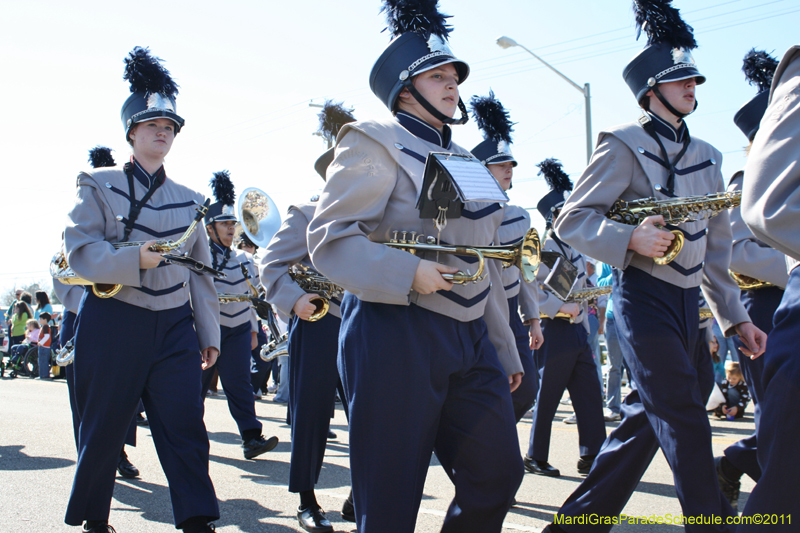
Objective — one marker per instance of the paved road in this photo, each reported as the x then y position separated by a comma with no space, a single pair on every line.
37,461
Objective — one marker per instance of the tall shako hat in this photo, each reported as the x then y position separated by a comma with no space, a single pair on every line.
223,209
667,56
493,120
759,68
331,119
100,157
560,186
420,34
153,90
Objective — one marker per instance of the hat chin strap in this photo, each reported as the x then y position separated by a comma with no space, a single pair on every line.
669,106
438,115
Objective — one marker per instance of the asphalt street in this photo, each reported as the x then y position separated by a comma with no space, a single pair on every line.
37,462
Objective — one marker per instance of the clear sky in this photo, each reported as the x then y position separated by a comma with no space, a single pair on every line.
249,69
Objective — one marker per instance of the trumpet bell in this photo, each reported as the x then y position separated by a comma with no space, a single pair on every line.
258,216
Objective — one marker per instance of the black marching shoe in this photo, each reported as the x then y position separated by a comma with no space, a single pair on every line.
552,528
97,528
348,510
258,445
543,468
126,468
313,520
729,488
585,465
331,435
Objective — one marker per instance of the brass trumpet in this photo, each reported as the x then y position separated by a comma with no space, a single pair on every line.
674,211
524,254
60,269
313,282
746,283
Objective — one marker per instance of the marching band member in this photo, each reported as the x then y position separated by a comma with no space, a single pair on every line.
565,359
769,208
313,345
495,153
755,259
404,326
238,321
259,369
116,364
657,305
70,296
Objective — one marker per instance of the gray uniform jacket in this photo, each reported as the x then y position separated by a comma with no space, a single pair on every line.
98,219
751,256
771,195
234,314
624,166
549,303
288,247
372,188
69,295
516,223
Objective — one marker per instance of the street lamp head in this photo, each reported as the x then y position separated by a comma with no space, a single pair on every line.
506,42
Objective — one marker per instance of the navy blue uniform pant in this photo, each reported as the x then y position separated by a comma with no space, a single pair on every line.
116,365
779,429
313,378
567,363
259,369
67,333
761,305
524,397
233,365
658,328
416,382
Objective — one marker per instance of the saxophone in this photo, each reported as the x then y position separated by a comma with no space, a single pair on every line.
312,281
746,283
674,211
60,269
584,295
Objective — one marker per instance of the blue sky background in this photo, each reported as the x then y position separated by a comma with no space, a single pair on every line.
249,69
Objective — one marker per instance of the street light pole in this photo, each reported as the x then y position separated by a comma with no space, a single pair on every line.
507,42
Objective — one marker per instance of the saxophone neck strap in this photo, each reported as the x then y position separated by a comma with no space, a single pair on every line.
136,207
650,128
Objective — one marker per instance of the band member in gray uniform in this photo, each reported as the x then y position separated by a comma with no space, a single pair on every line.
313,345
770,204
657,305
238,320
766,268
404,326
115,364
70,296
495,153
565,360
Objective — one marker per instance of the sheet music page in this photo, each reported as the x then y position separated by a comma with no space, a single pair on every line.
561,279
473,181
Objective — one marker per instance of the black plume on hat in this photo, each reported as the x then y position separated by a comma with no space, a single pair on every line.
759,68
418,16
331,119
100,156
223,189
146,75
663,24
554,175
492,119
